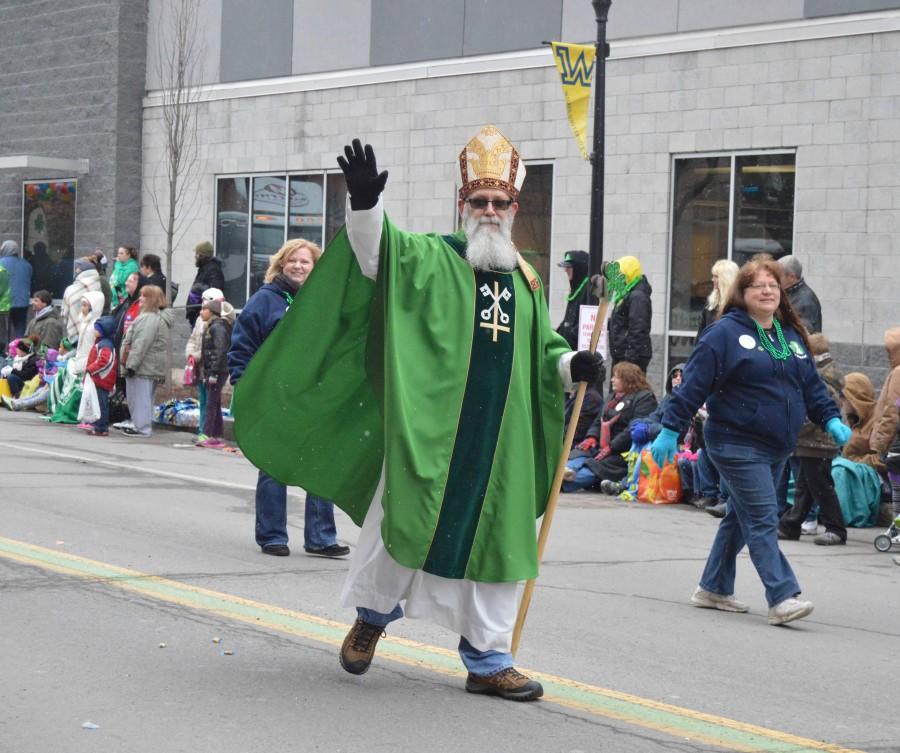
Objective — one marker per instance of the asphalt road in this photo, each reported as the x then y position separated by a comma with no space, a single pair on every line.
133,597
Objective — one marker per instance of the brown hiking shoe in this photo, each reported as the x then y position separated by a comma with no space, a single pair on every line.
508,683
359,646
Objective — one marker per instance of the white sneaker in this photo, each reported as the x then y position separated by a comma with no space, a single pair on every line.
129,424
789,610
809,527
709,600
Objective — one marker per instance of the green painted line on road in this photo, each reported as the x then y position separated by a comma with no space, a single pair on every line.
673,720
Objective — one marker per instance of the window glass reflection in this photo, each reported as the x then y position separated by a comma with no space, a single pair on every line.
267,229
532,230
335,205
48,233
699,234
316,208
764,205
306,208
232,225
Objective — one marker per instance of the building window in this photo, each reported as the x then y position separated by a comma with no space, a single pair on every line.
725,206
48,232
533,228
256,214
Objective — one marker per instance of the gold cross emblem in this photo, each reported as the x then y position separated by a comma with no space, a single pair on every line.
499,317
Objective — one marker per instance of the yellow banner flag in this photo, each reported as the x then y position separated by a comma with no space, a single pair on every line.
575,63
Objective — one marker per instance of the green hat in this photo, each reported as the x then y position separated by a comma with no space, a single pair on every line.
204,249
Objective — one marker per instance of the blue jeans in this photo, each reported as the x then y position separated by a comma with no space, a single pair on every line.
479,663
782,488
584,476
271,516
706,481
751,476
201,399
102,423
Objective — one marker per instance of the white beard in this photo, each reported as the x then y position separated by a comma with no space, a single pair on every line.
490,243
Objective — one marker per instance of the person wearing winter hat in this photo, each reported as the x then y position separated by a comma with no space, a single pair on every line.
629,323
87,280
126,263
19,271
193,353
575,264
209,275
218,315
45,323
65,393
103,367
24,366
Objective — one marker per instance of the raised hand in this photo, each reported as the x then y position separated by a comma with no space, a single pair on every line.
364,182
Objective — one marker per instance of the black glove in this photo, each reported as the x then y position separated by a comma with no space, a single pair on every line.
586,366
364,183
129,372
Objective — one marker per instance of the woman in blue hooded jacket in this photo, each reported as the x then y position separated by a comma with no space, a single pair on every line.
754,372
288,269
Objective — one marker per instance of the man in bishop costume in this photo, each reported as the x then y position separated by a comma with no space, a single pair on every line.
418,383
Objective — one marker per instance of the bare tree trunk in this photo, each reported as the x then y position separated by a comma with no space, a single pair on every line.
179,54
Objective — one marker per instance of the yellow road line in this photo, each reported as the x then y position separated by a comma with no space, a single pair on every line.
677,721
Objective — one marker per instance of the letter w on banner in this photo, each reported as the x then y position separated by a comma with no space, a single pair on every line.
575,63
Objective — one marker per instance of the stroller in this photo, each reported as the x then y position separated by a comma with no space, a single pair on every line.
884,541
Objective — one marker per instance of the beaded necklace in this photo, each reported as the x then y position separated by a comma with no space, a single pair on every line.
779,355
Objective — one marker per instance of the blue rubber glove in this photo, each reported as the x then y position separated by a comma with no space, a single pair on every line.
838,431
664,447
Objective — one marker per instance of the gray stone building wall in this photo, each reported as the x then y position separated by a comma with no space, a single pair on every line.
834,100
71,87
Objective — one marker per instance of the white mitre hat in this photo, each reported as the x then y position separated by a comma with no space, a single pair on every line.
489,160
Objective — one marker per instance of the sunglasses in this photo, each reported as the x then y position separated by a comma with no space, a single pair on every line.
499,204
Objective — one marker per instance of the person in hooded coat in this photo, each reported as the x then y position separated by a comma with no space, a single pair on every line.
288,270
19,271
66,389
87,280
885,416
102,366
858,471
629,325
209,275
575,263
219,318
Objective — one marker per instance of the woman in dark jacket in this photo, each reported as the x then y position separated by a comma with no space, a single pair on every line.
288,270
599,456
754,371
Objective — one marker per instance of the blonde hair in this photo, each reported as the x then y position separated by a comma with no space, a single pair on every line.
727,271
154,298
280,257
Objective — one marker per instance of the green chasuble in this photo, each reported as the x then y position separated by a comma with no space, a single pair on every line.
446,376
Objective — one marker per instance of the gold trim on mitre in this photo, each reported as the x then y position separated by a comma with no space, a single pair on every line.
489,160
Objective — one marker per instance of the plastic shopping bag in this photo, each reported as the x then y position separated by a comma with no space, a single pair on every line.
89,407
658,486
190,372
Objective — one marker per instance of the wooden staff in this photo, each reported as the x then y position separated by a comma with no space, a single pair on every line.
553,498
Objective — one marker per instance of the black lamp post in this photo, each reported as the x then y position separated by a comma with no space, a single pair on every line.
601,10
